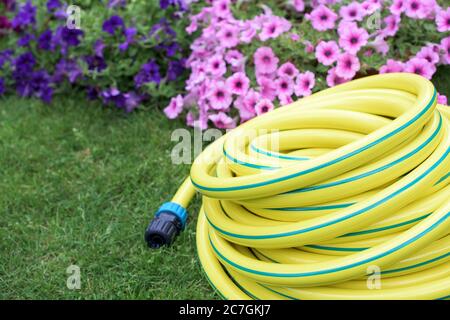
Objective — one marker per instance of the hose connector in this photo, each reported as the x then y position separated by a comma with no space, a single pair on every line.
169,221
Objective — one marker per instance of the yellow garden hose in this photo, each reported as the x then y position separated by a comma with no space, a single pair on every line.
341,195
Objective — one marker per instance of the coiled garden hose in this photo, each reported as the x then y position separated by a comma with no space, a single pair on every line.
344,194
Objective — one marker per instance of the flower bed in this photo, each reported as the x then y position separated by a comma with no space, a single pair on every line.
251,56
125,53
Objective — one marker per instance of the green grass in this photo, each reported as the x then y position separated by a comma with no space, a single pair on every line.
78,185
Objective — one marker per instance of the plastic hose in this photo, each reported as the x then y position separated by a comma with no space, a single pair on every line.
344,194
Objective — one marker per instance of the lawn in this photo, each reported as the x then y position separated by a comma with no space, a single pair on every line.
78,185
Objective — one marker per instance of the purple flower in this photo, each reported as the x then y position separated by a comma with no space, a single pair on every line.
91,93
129,38
24,63
175,69
99,46
26,16
95,63
25,40
149,73
163,26
5,56
164,4
2,86
71,37
67,68
112,24
53,5
45,40
116,3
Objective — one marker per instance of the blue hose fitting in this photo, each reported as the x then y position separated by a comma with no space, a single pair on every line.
169,221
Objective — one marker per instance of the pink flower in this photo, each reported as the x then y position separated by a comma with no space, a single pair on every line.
352,12
228,36
327,52
285,86
294,37
267,88
284,100
216,66
174,108
392,25
299,5
443,20
353,39
274,27
397,7
392,66
219,96
445,47
265,60
250,100
244,114
322,18
370,6
428,53
441,99
238,83
263,106
287,69
222,121
201,122
236,59
345,25
304,84
309,47
333,79
380,45
347,66
192,27
418,9
248,32
421,67
221,8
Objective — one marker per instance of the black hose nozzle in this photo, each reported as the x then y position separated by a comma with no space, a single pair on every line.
168,222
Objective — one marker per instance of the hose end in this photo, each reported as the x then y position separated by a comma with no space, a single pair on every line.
168,222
